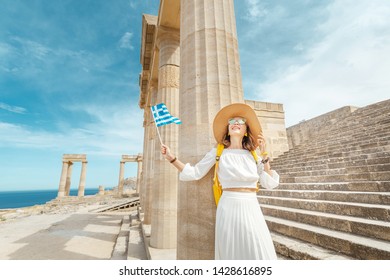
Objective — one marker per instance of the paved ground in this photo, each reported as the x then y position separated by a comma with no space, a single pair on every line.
74,236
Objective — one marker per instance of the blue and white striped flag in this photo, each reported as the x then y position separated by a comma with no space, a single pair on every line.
162,116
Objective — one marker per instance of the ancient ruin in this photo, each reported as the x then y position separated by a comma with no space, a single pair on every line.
66,174
129,158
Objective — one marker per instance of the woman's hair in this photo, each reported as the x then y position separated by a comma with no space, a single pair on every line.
248,142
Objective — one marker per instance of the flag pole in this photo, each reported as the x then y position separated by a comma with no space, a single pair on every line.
158,132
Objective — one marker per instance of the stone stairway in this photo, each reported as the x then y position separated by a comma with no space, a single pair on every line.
334,198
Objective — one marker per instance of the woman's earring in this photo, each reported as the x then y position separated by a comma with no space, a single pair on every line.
246,134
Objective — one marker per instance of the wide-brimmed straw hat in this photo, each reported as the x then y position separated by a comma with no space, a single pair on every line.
231,111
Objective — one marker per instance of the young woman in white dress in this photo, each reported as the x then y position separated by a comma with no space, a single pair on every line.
241,232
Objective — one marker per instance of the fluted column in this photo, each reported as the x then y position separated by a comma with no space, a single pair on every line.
146,147
164,207
121,178
139,172
149,160
68,179
61,187
210,78
82,179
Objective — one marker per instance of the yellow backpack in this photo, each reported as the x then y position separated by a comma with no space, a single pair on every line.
217,188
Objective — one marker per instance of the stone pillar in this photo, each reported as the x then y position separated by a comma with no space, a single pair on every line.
164,207
121,178
101,190
210,79
82,179
61,187
139,172
68,179
149,160
146,147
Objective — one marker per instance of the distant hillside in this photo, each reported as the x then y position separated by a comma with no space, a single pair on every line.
130,183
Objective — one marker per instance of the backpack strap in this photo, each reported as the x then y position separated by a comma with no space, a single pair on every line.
255,156
217,189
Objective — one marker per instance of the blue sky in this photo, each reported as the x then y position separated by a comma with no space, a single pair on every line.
69,75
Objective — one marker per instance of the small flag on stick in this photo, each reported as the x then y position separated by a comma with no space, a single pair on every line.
162,117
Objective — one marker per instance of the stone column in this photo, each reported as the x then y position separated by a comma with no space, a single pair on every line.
82,179
210,78
139,172
144,172
68,179
164,207
149,160
61,187
121,178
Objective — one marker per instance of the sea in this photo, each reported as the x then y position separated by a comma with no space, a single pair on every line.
17,199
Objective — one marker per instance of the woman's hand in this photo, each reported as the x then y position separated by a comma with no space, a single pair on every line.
166,152
261,143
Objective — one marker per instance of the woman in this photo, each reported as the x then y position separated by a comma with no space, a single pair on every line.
240,231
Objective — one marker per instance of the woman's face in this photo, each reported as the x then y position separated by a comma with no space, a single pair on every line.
237,126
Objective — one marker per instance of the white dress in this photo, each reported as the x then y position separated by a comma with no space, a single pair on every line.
241,232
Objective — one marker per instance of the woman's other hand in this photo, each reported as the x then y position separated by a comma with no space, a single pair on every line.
261,143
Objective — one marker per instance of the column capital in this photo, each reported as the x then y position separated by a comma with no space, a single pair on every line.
166,33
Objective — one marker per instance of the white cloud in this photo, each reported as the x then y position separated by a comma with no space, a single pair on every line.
125,41
13,109
255,10
117,131
348,66
133,4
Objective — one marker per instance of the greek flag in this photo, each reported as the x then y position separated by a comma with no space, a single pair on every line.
162,116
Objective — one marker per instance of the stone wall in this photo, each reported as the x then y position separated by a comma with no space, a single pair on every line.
271,116
296,134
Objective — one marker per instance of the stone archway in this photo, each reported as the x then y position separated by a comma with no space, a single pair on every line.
129,158
66,174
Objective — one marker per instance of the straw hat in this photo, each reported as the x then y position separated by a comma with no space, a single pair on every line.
231,111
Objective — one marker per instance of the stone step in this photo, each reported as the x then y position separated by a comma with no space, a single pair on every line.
352,177
346,196
344,155
123,204
136,246
334,136
355,124
351,143
353,225
379,172
337,134
352,129
352,245
322,178
120,248
314,172
316,162
292,248
373,165
352,125
368,211
363,186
